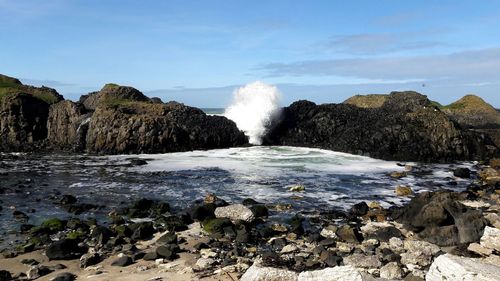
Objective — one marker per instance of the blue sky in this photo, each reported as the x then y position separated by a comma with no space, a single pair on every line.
198,52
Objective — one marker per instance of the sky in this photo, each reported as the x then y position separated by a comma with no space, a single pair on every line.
199,52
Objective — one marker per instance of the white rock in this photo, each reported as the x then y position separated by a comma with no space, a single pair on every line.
416,258
329,232
235,212
338,273
204,263
259,273
475,204
207,253
396,244
491,238
421,246
391,271
451,268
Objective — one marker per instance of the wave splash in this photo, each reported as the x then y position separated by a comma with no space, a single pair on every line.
254,107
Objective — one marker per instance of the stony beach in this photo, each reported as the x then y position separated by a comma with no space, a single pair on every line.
433,237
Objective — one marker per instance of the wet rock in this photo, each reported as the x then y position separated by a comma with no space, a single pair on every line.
259,210
122,261
297,188
64,249
38,271
491,238
259,273
67,199
173,223
338,273
349,234
65,276
462,173
20,216
440,219
138,162
201,212
391,271
89,259
402,190
142,230
359,209
450,267
216,225
101,234
236,212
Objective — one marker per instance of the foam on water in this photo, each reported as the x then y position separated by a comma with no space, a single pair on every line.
253,109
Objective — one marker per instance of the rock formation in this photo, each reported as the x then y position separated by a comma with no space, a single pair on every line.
24,112
407,126
116,119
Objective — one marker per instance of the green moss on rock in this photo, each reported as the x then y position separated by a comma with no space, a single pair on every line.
215,225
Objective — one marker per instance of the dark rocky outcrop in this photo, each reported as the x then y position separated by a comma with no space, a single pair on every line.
24,112
441,219
116,119
407,126
125,121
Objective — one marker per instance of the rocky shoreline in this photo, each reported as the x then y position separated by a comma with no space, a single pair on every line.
441,235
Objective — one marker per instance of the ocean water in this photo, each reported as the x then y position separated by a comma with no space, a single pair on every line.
332,180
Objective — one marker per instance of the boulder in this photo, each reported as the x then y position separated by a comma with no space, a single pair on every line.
462,173
391,271
440,219
89,259
122,261
64,249
338,273
491,238
236,212
363,261
450,267
260,273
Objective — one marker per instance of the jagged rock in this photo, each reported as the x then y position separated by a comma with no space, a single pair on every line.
450,267
480,250
260,273
125,121
349,234
407,126
67,126
24,113
329,231
391,271
89,259
235,212
491,238
440,219
204,263
338,273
